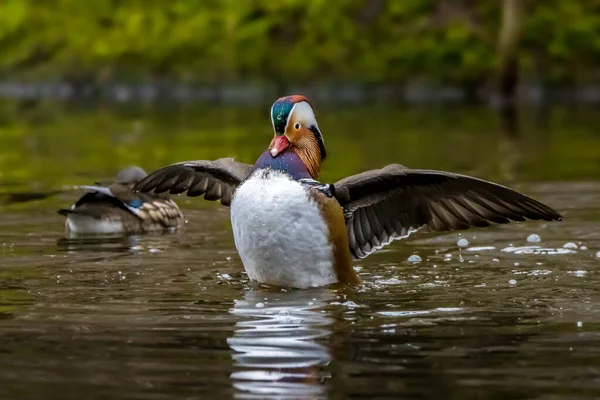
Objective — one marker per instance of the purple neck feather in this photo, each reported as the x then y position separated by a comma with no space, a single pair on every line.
288,162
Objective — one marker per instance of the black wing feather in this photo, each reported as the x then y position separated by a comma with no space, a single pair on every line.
386,204
216,180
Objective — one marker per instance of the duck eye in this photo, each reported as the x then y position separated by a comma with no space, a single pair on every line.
297,125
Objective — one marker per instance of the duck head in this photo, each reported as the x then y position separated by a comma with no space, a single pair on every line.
296,130
130,176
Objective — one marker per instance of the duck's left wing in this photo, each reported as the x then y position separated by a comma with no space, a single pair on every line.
386,204
215,179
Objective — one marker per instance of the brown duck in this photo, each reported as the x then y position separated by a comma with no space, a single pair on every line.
117,209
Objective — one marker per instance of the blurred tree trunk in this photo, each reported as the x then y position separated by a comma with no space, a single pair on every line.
507,77
507,80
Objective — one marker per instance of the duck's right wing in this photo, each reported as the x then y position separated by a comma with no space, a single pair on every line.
217,179
386,204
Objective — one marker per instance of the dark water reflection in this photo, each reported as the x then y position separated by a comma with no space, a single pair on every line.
280,344
174,317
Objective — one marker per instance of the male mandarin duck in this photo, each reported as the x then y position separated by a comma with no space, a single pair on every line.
117,209
291,230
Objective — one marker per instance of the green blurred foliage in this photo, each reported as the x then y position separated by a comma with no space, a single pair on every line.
290,41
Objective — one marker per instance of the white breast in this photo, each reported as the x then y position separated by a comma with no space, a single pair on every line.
84,224
279,232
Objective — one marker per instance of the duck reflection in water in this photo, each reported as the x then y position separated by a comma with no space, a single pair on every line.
278,342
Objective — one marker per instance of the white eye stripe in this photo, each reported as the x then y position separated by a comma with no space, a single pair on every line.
289,116
303,113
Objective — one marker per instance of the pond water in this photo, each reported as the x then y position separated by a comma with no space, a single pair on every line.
174,317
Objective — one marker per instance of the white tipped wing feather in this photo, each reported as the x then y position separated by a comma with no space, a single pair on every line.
386,204
216,180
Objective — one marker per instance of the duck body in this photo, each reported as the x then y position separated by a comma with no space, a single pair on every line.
291,230
283,226
105,216
116,209
98,217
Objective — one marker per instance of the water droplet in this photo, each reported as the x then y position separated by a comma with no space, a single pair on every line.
598,254
579,324
517,264
351,304
583,247
512,282
154,251
495,260
228,258
414,259
481,248
462,242
391,281
569,245
259,305
534,238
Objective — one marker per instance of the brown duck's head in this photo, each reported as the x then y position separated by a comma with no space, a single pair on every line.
130,176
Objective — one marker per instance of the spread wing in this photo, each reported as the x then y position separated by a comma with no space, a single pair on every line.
215,179
386,204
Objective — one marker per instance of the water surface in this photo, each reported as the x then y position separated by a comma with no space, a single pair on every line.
174,317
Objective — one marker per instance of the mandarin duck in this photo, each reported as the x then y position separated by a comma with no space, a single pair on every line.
117,209
292,230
